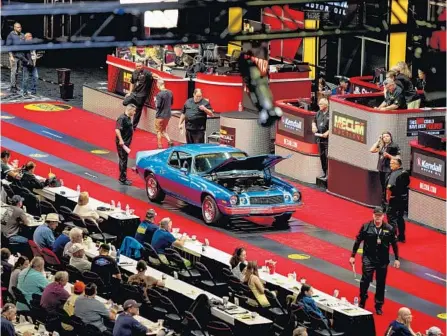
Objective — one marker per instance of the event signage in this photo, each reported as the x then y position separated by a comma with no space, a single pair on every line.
292,124
349,127
431,125
336,7
227,136
429,166
427,188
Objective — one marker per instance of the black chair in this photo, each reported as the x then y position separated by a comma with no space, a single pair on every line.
319,326
130,292
31,202
8,190
38,314
153,258
73,273
208,281
21,298
156,306
297,309
193,326
173,314
178,264
103,289
219,328
65,213
76,220
95,232
46,208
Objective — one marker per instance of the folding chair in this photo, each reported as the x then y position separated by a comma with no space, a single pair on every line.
52,262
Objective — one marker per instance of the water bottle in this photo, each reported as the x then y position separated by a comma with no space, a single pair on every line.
118,254
294,276
336,293
112,204
118,206
62,182
240,108
127,210
356,301
78,189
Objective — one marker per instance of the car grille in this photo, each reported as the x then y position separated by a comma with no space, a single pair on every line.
267,200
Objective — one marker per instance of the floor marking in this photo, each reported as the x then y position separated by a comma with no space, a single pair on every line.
52,134
435,277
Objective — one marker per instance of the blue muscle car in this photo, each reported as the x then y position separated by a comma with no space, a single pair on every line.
221,180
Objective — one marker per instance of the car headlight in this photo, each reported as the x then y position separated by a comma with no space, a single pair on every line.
233,200
244,201
296,197
286,197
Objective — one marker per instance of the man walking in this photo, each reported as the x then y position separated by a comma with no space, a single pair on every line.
397,197
194,115
320,127
124,133
377,237
163,101
15,57
140,86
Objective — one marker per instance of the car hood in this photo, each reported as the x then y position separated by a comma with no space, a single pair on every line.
259,162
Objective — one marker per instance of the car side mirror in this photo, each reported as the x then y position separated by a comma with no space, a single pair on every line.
184,170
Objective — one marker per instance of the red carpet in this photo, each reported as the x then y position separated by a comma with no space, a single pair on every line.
340,256
227,243
320,209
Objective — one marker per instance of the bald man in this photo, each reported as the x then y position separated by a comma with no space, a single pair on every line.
402,325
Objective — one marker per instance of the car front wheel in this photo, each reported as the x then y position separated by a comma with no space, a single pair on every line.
153,190
282,221
210,211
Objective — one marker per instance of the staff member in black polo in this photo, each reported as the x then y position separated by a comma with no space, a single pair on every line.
397,196
320,127
394,97
194,115
124,133
140,87
377,237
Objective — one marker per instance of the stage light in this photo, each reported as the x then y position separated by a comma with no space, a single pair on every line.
157,19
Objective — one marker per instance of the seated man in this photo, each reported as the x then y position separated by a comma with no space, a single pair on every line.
60,242
78,258
29,180
6,266
164,239
54,295
146,229
12,218
105,266
44,236
8,172
402,325
394,97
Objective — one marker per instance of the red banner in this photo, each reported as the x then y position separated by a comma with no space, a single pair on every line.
296,145
427,188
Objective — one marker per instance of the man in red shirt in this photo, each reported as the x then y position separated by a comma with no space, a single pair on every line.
55,295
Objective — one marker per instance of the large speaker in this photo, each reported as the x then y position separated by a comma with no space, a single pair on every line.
66,91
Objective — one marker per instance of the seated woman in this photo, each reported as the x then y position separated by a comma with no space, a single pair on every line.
251,278
310,306
238,262
143,280
83,209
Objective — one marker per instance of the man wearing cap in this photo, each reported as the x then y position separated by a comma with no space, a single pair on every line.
146,229
126,324
44,236
105,266
377,237
12,217
78,258
69,306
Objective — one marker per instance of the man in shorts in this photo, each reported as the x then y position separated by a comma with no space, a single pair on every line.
163,102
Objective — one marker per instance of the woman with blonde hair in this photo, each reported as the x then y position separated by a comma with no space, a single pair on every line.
83,209
251,278
403,79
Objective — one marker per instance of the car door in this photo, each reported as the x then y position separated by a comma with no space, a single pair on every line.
178,181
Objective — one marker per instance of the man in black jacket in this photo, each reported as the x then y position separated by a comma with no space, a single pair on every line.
397,196
377,237
29,180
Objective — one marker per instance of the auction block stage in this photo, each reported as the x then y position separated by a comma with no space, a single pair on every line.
110,105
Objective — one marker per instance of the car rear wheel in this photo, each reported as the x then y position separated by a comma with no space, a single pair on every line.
210,211
153,190
282,221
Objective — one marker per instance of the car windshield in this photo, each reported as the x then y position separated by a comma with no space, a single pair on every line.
205,162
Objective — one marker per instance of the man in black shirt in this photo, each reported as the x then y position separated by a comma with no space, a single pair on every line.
16,58
29,179
194,114
163,101
394,97
320,127
377,237
140,87
397,196
105,266
124,133
181,58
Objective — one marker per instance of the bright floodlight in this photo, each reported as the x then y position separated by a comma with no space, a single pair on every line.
158,18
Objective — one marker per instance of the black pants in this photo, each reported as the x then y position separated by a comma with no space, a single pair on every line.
195,137
123,156
138,101
395,214
382,177
368,269
323,148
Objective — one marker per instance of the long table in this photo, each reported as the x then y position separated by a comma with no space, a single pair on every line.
242,322
347,317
